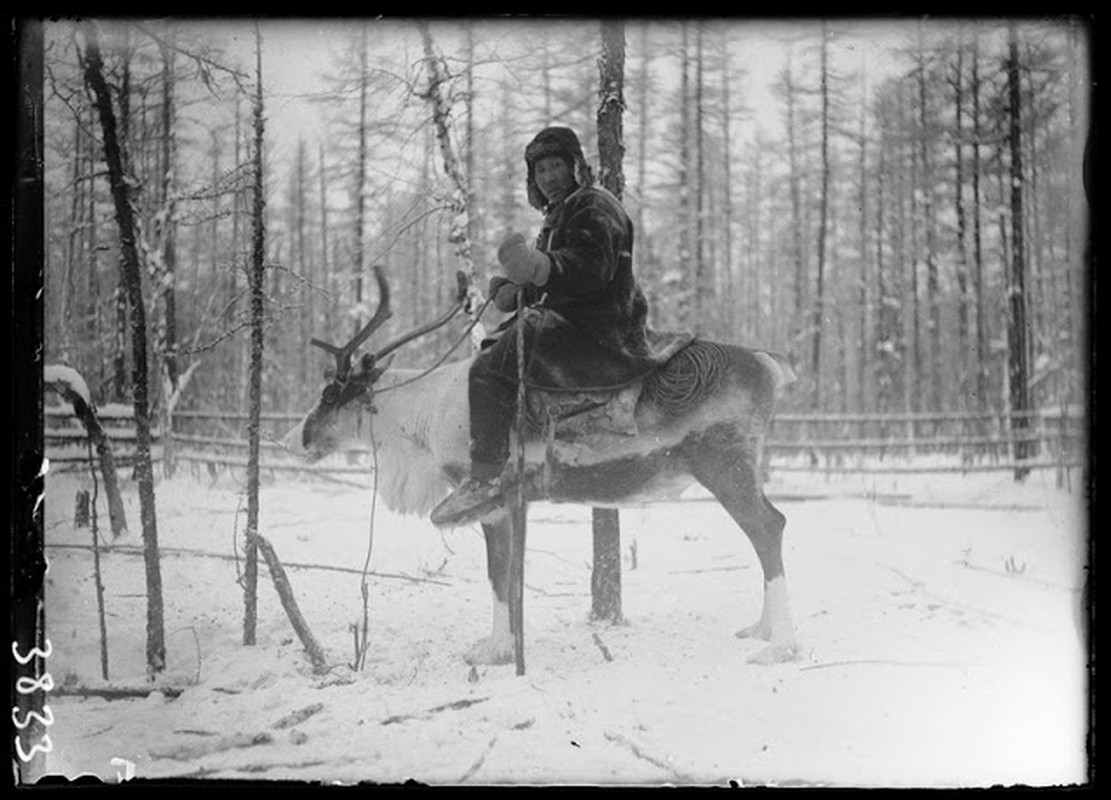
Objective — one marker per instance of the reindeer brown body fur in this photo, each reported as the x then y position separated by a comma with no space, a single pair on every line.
421,431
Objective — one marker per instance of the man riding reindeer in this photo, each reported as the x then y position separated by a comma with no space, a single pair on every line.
641,414
585,321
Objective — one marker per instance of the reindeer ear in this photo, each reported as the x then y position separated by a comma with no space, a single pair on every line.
366,363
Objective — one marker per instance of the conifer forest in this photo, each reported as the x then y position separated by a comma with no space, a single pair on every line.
899,206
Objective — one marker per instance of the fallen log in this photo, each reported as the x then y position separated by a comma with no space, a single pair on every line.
115,692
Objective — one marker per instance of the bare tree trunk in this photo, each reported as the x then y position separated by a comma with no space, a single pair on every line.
914,395
473,217
421,233
704,305
360,182
646,260
507,200
303,268
90,330
605,583
81,180
864,349
325,269
687,315
119,340
982,399
1037,305
1078,217
731,299
897,342
167,272
214,249
605,578
169,224
235,368
794,179
125,217
933,324
256,275
823,217
611,143
1016,285
962,226
546,75
885,326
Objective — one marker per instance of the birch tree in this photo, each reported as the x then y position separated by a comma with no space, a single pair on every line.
458,236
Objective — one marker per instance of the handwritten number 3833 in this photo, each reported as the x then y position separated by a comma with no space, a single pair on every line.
26,685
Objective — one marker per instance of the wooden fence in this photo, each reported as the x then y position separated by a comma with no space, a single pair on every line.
815,443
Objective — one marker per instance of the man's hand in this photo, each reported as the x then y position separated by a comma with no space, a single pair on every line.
521,263
504,293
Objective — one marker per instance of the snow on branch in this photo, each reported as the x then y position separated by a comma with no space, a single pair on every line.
68,378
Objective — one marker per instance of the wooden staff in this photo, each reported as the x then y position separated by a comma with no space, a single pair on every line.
518,513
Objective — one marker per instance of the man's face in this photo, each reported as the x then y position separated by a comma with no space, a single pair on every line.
554,178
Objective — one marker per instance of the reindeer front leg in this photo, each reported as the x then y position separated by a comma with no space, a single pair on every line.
497,648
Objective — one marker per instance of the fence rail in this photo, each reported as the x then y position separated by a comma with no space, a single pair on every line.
963,442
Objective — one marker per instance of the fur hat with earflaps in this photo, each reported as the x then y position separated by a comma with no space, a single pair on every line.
556,141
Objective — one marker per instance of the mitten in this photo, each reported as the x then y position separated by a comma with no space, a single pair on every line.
521,263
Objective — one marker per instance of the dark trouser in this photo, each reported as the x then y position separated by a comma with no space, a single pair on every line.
558,353
493,400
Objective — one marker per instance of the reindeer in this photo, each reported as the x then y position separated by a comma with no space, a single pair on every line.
714,437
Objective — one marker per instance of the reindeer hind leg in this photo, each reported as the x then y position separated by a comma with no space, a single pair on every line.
732,475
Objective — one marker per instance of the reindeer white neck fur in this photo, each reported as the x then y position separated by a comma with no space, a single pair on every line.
418,429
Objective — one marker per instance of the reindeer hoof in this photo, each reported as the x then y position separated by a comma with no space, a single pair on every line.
761,630
488,652
776,653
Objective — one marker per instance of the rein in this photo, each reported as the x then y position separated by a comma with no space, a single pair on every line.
677,391
439,362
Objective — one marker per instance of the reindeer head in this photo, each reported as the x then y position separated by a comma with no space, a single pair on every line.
336,419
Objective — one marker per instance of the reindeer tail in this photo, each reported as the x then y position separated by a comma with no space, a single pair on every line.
780,368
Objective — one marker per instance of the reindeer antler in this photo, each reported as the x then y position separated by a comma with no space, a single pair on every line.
343,354
382,313
443,319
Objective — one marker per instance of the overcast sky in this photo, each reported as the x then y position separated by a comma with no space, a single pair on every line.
296,52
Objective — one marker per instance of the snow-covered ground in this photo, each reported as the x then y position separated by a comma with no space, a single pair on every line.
938,620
